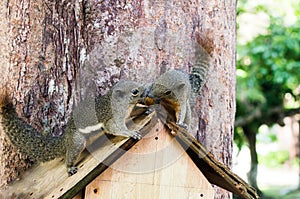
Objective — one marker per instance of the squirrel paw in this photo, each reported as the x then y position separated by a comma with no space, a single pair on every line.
72,170
136,135
149,111
183,125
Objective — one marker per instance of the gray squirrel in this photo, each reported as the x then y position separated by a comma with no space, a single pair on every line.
174,89
110,109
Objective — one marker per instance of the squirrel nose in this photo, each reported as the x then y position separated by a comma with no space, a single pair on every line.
149,101
153,98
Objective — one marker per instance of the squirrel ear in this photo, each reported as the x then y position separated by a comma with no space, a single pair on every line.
118,93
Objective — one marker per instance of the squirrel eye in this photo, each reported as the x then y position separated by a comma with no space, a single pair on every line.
135,92
168,92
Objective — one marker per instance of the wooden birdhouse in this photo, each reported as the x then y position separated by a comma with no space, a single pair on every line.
155,167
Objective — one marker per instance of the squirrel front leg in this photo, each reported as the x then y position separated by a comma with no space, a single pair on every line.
117,127
121,101
188,115
184,115
73,152
181,114
75,143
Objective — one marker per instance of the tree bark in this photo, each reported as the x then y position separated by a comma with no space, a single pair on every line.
56,52
42,60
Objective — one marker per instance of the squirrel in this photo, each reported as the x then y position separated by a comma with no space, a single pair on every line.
175,89
110,111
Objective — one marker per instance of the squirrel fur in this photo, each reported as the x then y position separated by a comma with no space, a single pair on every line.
174,89
110,110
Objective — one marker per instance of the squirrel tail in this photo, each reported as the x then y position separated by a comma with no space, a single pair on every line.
24,136
199,72
5,99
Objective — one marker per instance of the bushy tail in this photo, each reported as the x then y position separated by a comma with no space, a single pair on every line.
24,136
199,72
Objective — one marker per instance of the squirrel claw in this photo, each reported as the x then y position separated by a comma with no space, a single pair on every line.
72,170
149,110
136,135
183,125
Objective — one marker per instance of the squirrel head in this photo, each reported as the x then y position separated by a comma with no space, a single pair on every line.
160,91
129,91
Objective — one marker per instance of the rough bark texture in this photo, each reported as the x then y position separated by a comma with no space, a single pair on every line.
40,67
54,52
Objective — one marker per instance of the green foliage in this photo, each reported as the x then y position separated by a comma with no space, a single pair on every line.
272,65
274,159
241,7
268,68
266,135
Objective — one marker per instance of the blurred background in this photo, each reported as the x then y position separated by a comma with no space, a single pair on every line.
266,152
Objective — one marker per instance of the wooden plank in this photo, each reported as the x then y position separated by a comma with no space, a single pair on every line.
126,190
156,167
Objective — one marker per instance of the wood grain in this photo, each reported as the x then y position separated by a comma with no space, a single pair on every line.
156,167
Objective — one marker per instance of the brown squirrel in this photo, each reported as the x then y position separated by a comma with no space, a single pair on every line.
174,89
110,110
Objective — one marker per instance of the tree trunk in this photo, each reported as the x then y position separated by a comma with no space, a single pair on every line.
252,174
56,51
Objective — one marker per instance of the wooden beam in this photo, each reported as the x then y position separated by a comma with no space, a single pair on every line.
216,172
